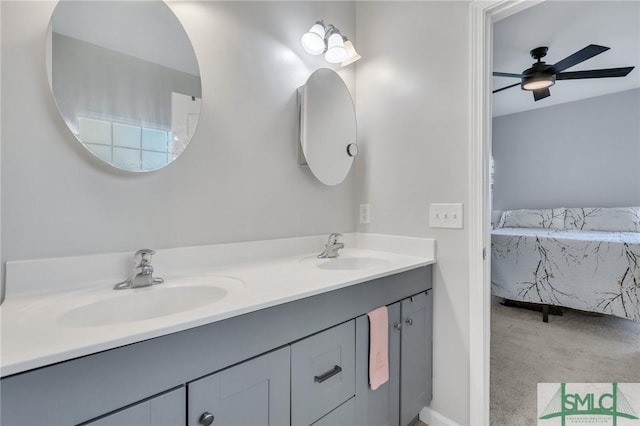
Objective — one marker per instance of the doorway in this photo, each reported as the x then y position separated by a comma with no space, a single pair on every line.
480,296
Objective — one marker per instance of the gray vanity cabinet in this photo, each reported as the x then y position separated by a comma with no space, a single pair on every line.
408,390
344,415
175,379
255,392
165,410
415,355
382,406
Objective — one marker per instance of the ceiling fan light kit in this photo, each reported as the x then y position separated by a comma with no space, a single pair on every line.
541,76
539,81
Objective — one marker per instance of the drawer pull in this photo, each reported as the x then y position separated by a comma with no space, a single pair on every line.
335,370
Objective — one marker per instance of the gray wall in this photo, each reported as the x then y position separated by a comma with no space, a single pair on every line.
413,117
583,153
238,180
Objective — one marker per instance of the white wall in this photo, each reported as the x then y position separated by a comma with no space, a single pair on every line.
579,154
238,180
413,112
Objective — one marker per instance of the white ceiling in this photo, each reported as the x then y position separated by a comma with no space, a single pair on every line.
566,27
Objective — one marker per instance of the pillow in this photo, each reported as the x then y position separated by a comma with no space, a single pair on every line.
542,218
612,219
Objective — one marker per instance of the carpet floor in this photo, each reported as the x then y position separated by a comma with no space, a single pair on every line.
577,347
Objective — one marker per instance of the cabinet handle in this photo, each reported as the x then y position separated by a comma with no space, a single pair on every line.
397,326
206,419
321,378
409,321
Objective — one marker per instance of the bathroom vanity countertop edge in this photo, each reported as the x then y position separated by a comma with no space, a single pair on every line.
26,346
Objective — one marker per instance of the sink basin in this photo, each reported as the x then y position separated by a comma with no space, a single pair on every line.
347,263
173,297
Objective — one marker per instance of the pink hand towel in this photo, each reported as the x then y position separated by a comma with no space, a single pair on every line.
378,347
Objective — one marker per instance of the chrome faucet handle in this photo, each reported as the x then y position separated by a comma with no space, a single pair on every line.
143,257
332,247
142,272
333,238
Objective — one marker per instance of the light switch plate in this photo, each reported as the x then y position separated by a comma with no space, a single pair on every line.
445,215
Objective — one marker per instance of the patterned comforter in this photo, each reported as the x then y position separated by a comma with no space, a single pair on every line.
589,270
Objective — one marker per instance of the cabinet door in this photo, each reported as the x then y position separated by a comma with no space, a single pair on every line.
255,392
164,410
380,407
415,356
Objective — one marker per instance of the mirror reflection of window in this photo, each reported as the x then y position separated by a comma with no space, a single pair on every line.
130,147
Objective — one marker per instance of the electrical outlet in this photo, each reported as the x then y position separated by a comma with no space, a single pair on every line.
364,213
445,215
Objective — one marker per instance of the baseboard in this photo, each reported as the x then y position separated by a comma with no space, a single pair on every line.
433,418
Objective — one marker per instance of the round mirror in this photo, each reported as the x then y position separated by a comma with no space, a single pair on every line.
327,126
125,79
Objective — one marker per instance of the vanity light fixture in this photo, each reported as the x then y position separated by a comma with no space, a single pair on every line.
313,41
352,54
327,39
336,51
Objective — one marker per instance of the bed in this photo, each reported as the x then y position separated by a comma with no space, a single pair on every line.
570,257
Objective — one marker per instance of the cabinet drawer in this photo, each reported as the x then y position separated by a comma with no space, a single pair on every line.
322,373
344,415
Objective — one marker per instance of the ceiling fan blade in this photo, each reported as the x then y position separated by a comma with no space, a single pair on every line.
580,56
506,74
608,72
505,88
541,94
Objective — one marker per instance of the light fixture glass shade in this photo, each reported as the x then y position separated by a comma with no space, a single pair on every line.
336,51
538,82
313,41
352,55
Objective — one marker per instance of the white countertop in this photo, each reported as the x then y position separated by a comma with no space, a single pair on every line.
266,273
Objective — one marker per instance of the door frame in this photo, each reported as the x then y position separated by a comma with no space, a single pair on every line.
483,14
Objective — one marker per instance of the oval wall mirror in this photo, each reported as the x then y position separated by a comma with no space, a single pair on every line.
327,126
125,79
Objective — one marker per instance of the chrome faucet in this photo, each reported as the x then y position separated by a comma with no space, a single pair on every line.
332,247
142,272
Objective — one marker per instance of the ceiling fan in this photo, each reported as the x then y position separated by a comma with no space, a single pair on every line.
541,76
